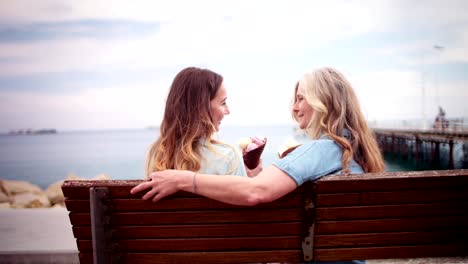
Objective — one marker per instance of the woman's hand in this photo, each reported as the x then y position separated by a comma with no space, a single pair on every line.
255,171
162,184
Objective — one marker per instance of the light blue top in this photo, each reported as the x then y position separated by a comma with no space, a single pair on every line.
314,159
221,159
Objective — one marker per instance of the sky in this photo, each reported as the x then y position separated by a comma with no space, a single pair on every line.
90,64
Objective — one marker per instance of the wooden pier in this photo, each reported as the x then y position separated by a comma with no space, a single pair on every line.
428,149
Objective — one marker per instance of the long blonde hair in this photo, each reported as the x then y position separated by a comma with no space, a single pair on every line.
335,108
187,120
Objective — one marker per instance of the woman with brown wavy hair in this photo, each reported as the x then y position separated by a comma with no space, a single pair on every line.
327,109
195,107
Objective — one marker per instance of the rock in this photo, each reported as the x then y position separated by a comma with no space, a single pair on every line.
5,205
4,198
102,176
3,194
58,205
54,193
13,187
73,176
30,200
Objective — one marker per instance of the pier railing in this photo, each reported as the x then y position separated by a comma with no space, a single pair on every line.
428,149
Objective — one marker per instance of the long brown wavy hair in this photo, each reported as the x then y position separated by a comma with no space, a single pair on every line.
335,108
187,119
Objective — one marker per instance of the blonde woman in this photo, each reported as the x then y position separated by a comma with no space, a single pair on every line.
327,109
195,106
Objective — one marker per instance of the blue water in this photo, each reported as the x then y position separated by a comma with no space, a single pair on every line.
45,159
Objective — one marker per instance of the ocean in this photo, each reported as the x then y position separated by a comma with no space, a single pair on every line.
46,158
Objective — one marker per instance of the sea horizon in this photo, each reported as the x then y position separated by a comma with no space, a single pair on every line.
43,159
395,123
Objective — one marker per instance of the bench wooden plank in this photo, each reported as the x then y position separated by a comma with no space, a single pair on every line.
293,256
178,204
323,200
390,225
390,239
392,181
190,231
201,244
208,257
392,197
391,211
331,184
437,250
191,217
120,188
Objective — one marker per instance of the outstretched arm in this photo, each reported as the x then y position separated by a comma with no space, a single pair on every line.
270,184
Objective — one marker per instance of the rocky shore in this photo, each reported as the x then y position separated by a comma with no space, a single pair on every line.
34,223
22,194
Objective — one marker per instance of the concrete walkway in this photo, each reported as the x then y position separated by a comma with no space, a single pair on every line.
36,236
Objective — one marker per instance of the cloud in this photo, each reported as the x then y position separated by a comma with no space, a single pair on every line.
399,95
457,51
94,29
202,32
74,62
253,31
96,108
76,81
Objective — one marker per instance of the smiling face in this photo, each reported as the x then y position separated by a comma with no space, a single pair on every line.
301,109
219,106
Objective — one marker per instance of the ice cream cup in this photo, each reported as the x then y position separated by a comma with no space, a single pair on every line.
252,158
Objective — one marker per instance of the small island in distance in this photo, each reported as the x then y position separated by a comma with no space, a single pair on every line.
29,131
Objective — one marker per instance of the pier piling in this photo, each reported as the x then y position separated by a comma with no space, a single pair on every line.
426,149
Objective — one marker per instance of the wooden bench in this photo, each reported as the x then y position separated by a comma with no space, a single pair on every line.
368,216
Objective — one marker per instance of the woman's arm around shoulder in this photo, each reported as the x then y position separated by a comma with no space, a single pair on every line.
269,185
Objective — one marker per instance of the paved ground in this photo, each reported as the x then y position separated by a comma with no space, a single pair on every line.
36,230
39,258
36,236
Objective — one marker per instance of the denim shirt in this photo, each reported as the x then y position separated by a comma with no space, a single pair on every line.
312,160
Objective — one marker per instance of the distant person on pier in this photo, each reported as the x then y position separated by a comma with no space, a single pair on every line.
195,106
440,121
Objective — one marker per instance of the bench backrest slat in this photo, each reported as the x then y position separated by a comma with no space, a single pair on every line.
177,204
434,250
194,231
193,217
392,181
391,225
222,257
200,244
392,197
391,211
